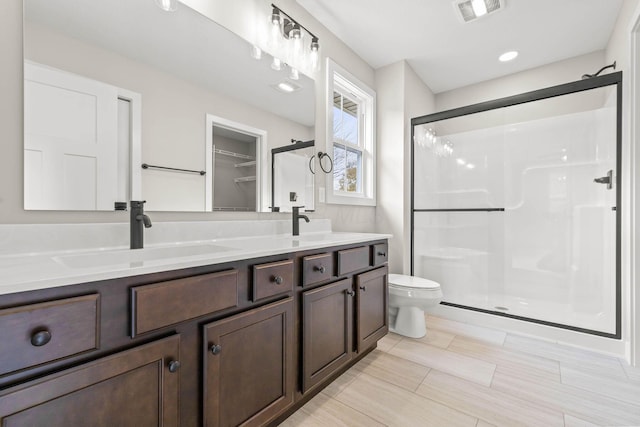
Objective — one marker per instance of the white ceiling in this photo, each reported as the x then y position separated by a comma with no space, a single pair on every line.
447,53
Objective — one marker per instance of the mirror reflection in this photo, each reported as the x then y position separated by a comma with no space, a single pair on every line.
292,176
112,85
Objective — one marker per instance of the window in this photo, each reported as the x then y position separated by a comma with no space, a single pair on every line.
351,138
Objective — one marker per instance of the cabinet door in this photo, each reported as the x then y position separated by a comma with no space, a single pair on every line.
136,388
248,366
327,319
371,307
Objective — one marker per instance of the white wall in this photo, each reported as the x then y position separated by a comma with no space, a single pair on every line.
401,95
537,78
238,16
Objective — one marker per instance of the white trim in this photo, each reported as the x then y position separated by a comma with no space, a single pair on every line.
263,197
634,174
369,155
135,149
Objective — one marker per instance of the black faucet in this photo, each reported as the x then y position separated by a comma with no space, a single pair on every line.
138,219
296,220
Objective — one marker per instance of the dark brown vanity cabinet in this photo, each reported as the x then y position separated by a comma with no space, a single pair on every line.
245,342
249,366
137,387
327,335
372,296
333,332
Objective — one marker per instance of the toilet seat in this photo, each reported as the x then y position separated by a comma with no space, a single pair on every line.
401,281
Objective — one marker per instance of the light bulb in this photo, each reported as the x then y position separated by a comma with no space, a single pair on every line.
293,74
275,17
256,52
479,7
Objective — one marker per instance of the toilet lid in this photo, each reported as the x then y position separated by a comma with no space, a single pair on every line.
412,282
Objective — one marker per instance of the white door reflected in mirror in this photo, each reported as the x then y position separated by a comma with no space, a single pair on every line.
76,142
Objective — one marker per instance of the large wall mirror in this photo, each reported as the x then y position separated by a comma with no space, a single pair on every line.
111,86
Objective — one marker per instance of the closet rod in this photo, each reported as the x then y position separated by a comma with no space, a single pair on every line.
147,166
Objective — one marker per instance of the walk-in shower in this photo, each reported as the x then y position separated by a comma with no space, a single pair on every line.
515,205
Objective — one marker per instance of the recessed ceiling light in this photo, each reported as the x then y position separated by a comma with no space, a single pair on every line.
286,86
508,56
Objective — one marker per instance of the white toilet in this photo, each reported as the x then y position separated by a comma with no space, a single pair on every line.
409,296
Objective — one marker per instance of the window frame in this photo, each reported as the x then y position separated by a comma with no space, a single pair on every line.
341,81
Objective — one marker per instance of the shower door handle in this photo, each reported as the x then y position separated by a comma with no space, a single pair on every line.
608,180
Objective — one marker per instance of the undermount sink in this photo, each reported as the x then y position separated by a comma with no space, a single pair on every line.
136,256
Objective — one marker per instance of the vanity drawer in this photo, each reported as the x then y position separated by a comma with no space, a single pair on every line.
39,333
317,268
166,303
353,259
379,254
272,279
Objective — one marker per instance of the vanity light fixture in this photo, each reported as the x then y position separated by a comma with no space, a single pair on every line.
289,44
167,5
508,56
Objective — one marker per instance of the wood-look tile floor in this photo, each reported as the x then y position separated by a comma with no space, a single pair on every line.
464,375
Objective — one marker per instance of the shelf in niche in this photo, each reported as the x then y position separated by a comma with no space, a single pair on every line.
245,179
245,164
232,154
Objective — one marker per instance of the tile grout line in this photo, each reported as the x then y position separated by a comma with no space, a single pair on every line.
356,410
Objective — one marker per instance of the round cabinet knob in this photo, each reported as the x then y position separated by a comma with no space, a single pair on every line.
216,349
321,269
278,279
350,293
363,288
40,338
174,365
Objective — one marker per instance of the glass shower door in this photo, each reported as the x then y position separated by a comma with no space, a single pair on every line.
515,207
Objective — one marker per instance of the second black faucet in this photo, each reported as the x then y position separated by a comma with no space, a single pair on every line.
296,219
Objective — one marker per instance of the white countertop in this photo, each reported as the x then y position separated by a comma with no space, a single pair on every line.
37,270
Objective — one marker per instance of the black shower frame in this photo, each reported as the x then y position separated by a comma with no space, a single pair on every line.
537,95
297,145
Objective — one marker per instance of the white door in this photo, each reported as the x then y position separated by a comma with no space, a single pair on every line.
70,141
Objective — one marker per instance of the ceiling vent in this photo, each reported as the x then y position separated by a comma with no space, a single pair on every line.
470,10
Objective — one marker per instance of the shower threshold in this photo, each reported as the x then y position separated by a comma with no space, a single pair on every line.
555,314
